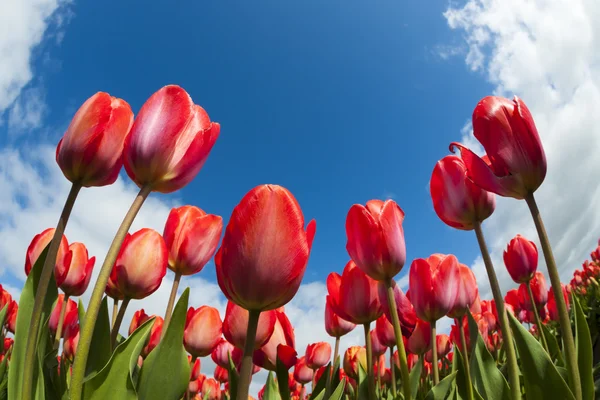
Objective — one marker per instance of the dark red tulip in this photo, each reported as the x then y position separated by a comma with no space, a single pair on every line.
552,311
539,290
521,259
377,347
70,342
334,325
385,331
221,374
405,309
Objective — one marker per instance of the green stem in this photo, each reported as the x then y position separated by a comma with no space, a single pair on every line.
370,376
333,361
246,369
61,321
511,355
114,312
40,294
561,306
85,338
434,358
404,374
170,304
393,371
118,321
465,354
536,315
336,351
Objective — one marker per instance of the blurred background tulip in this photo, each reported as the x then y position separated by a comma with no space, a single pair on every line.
235,325
283,334
302,372
221,353
521,259
318,354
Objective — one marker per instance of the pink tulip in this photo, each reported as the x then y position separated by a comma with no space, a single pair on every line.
420,340
385,331
318,354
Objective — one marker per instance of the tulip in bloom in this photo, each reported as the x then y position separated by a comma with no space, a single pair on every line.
264,253
354,295
302,372
353,357
192,237
169,141
79,270
385,331
221,352
539,290
376,238
515,162
38,244
318,354
235,326
90,152
433,284
221,374
281,345
211,389
141,264
71,314
521,259
405,309
456,199
420,340
334,325
467,292
203,330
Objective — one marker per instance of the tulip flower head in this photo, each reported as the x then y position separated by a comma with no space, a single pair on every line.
203,330
353,357
71,314
318,354
235,325
334,325
420,340
79,270
71,339
539,290
385,331
521,259
405,309
221,353
280,345
37,246
302,372
467,292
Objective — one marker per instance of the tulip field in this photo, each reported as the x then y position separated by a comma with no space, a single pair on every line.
539,341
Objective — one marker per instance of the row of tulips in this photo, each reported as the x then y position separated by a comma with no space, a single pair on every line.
260,264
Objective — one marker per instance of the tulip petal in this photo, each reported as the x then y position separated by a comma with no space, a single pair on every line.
287,355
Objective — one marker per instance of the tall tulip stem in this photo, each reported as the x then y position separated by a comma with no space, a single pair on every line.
393,372
85,338
42,290
511,355
114,312
370,379
171,303
536,314
399,342
465,354
561,306
61,321
115,329
335,355
336,349
434,358
246,370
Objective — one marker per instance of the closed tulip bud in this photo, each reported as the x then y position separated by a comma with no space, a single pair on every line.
302,372
334,325
376,238
235,326
466,292
221,374
221,352
195,371
6,301
38,244
169,141
552,310
71,314
211,389
353,357
515,162
318,354
283,334
264,253
192,237
11,317
457,201
385,331
443,345
141,264
405,309
79,270
539,290
420,340
155,333
90,152
433,284
139,317
511,301
354,295
203,330
71,339
521,259
376,347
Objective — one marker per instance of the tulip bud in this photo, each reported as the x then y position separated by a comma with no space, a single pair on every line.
203,330
521,259
420,340
221,374
334,325
235,326
466,292
404,308
354,356
139,317
195,372
71,339
192,237
221,352
264,253
377,348
90,152
539,290
283,334
318,354
302,372
79,270
155,333
71,314
552,310
38,244
385,331
11,317
211,389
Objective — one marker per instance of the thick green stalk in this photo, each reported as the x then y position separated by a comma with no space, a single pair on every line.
370,376
538,321
118,321
511,355
170,304
114,312
91,315
561,306
393,371
434,358
404,374
335,355
246,370
61,321
40,294
465,354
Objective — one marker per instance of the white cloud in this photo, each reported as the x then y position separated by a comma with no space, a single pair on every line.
546,53
27,111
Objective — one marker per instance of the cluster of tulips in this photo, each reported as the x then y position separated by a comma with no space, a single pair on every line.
260,263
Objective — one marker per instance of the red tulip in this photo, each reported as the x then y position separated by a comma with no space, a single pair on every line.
155,333
11,317
141,264
192,237
467,292
302,372
8,342
334,325
318,354
90,151
433,284
282,337
376,238
420,340
195,371
539,290
443,345
511,302
221,352
405,309
264,253
79,270
552,311
457,201
196,385
169,141
376,346
203,330
139,317
235,326
6,301
71,339
71,314
385,331
38,244
211,389
515,163
237,356
354,356
354,295
221,374
521,259
112,290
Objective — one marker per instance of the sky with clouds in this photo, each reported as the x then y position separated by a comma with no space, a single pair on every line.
339,102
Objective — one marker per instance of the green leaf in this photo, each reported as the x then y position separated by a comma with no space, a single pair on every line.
3,367
101,350
542,379
3,314
271,391
339,391
442,390
234,377
282,380
553,346
335,375
81,313
487,378
15,372
363,383
114,380
585,353
415,377
165,373
319,388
